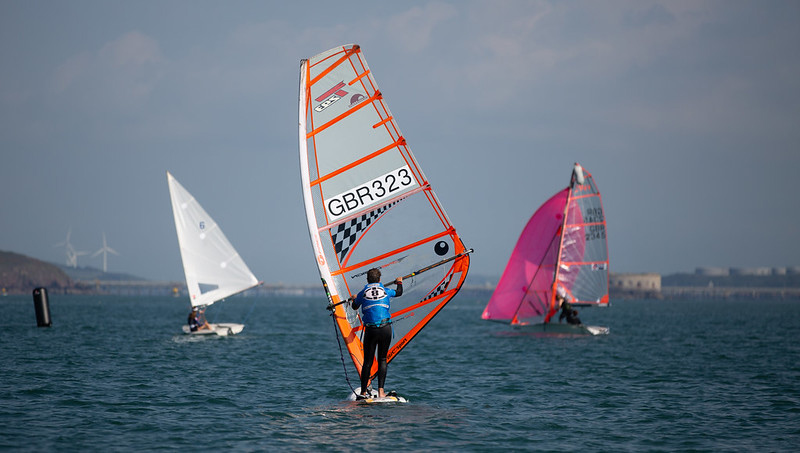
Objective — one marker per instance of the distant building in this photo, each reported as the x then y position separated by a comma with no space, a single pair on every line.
740,271
646,285
778,271
708,271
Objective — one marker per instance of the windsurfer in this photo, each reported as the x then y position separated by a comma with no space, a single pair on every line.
374,301
197,320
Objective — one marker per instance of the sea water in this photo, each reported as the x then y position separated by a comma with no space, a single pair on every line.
116,373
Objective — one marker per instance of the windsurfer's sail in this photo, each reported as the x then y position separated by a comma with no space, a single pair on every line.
367,201
213,268
563,245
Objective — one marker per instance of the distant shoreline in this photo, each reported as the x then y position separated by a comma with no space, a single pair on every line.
178,290
20,274
699,292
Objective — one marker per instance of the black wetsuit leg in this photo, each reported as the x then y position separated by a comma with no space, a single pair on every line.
380,337
370,341
384,335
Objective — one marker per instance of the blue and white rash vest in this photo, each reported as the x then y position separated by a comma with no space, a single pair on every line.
374,303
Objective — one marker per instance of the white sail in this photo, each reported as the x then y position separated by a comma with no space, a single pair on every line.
213,268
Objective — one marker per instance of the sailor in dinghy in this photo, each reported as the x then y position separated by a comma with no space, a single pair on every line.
197,320
567,311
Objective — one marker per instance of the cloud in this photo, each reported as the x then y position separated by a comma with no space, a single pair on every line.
680,67
648,15
122,72
71,70
130,51
411,30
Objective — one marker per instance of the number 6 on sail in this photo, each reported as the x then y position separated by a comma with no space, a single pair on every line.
367,201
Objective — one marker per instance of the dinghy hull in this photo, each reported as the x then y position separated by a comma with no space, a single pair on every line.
221,329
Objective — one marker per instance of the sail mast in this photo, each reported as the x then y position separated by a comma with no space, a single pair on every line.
339,313
552,296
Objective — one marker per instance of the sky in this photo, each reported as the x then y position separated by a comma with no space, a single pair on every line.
687,114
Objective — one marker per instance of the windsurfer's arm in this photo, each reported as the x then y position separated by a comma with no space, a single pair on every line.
399,289
354,302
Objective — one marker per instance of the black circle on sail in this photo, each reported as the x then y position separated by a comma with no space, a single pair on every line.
441,248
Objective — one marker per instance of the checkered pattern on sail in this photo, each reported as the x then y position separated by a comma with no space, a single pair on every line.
440,289
348,232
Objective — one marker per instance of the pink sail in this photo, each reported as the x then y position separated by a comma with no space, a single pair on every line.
556,252
526,285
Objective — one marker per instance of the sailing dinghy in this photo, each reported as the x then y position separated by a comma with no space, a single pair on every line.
563,248
368,203
213,268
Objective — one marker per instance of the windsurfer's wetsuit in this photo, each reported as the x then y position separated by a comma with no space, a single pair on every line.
374,302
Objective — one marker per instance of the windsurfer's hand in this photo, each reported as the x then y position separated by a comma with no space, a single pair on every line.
398,280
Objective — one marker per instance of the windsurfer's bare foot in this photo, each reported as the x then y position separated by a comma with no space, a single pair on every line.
381,393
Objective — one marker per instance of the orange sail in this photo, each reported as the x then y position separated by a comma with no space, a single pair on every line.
368,203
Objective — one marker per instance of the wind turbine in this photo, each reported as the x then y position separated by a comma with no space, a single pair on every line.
72,254
105,251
